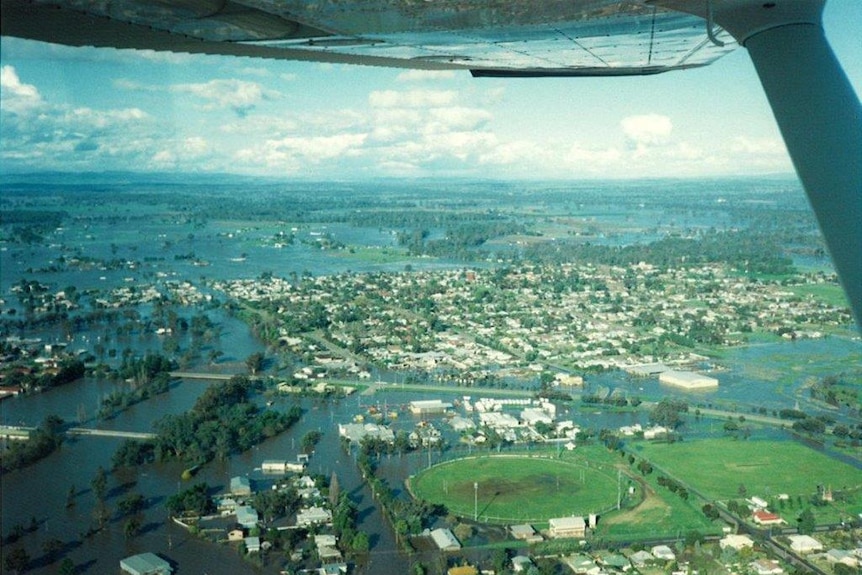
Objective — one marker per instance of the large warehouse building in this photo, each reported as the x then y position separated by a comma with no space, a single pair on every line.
687,380
145,564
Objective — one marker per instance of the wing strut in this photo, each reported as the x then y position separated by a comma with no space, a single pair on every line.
819,116
821,120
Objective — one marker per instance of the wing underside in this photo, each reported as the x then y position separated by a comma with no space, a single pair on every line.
546,37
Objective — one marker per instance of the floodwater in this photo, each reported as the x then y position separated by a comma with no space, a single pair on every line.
771,376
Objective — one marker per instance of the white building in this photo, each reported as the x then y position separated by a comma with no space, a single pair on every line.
252,544
567,527
804,544
429,406
663,552
145,564
738,542
356,432
445,540
274,466
313,515
687,380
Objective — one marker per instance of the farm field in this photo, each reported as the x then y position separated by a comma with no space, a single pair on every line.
516,488
724,469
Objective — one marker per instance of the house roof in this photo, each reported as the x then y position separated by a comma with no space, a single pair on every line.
445,539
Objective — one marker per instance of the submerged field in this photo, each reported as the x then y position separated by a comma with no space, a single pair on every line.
515,488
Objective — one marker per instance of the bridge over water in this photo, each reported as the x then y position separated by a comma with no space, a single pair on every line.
23,432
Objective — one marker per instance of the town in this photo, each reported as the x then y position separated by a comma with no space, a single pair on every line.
537,404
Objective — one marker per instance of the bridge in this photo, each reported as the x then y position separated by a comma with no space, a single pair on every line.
202,375
86,431
24,432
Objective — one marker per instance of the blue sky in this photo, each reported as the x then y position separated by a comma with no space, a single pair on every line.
83,109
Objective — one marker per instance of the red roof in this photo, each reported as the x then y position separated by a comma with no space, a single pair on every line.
766,517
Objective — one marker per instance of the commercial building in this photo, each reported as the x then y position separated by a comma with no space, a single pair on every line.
567,527
429,406
687,380
145,564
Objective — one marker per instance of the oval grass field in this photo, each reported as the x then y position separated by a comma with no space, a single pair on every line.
516,488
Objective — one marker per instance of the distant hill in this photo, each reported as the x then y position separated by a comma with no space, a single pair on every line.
124,177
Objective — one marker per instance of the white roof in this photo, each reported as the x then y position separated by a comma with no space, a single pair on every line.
567,523
445,539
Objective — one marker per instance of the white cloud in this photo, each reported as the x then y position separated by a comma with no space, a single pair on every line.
15,95
412,98
294,151
195,145
759,146
648,129
239,95
424,75
460,118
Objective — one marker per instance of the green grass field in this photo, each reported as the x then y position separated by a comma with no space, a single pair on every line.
718,467
517,488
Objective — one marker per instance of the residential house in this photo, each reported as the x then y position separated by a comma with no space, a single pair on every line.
580,563
313,515
804,544
521,563
327,548
641,558
333,569
240,486
766,567
235,535
841,556
523,532
737,542
246,516
252,544
663,552
762,517
445,540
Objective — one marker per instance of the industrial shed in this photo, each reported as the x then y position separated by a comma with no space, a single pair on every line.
688,380
145,564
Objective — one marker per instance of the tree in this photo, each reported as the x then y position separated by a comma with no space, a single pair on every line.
67,567
17,560
132,527
309,440
254,362
99,483
52,548
360,543
806,522
131,504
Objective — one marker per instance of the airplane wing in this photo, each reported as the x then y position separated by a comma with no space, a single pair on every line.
547,37
816,108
